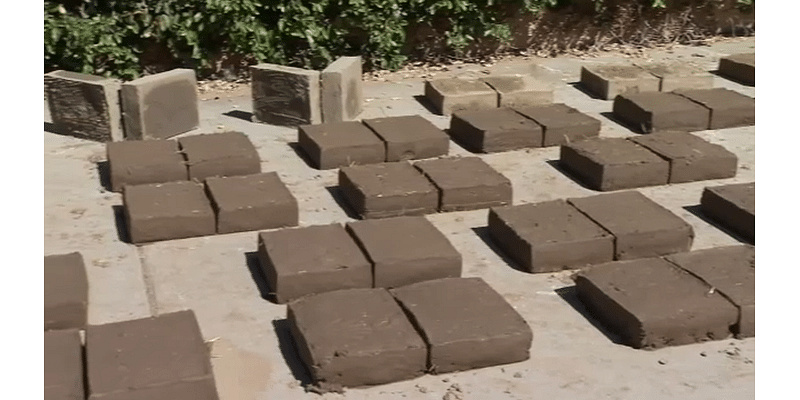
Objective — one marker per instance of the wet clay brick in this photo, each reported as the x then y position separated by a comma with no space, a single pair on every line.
340,144
520,91
63,365
467,183
356,337
85,106
656,111
167,211
465,323
285,96
252,202
454,94
690,157
561,124
342,95
731,272
679,76
549,236
140,162
409,137
315,259
161,357
641,227
609,81
739,67
729,109
405,250
387,190
650,303
66,292
491,131
608,164
220,154
161,105
733,206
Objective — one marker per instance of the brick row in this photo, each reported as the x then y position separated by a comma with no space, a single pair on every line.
610,81
451,95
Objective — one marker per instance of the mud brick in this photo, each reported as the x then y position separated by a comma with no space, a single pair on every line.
63,365
220,154
650,303
561,123
140,162
609,81
731,272
85,106
467,183
455,94
66,291
739,67
679,76
520,91
608,164
549,236
641,227
465,323
356,337
252,202
733,206
409,137
405,250
167,211
161,105
656,111
690,157
342,96
161,357
285,96
315,259
387,190
491,131
340,144
729,109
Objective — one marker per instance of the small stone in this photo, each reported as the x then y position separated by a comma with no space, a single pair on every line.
702,354
518,375
662,362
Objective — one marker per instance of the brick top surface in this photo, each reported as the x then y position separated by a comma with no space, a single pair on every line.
457,86
404,128
731,270
511,84
618,71
671,69
143,151
171,74
388,179
455,309
237,192
549,222
355,322
341,134
614,151
402,238
660,102
145,352
741,194
556,115
63,364
319,248
75,76
460,173
499,119
718,98
628,212
166,200
681,145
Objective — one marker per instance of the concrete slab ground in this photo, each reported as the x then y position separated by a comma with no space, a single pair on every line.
571,358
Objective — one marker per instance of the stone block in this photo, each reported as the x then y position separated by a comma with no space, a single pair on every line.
85,106
609,81
285,96
455,94
342,96
139,162
161,105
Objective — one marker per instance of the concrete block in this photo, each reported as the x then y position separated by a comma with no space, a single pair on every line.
455,94
84,106
520,91
160,106
608,81
285,96
342,96
675,76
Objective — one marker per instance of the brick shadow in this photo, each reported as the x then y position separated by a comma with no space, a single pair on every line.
288,349
104,173
302,154
609,115
570,296
239,114
254,265
423,101
121,224
483,233
728,78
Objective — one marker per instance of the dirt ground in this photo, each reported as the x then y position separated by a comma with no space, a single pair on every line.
572,357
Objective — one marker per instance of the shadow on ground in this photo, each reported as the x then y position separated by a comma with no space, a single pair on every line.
243,115
302,154
104,172
338,197
697,211
427,104
121,223
289,351
579,87
613,118
483,233
557,166
254,265
570,296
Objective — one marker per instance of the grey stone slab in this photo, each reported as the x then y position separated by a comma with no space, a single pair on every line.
608,81
455,94
85,106
342,93
285,96
520,91
161,105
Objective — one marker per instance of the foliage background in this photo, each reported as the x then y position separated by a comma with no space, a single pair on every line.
125,38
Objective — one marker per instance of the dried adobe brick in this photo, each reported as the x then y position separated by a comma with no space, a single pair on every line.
387,190
690,157
340,144
729,109
609,81
491,131
455,94
561,123
161,105
733,206
139,162
63,365
409,137
467,183
66,291
220,154
739,67
252,202
658,111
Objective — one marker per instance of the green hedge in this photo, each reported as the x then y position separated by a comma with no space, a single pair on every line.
120,37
